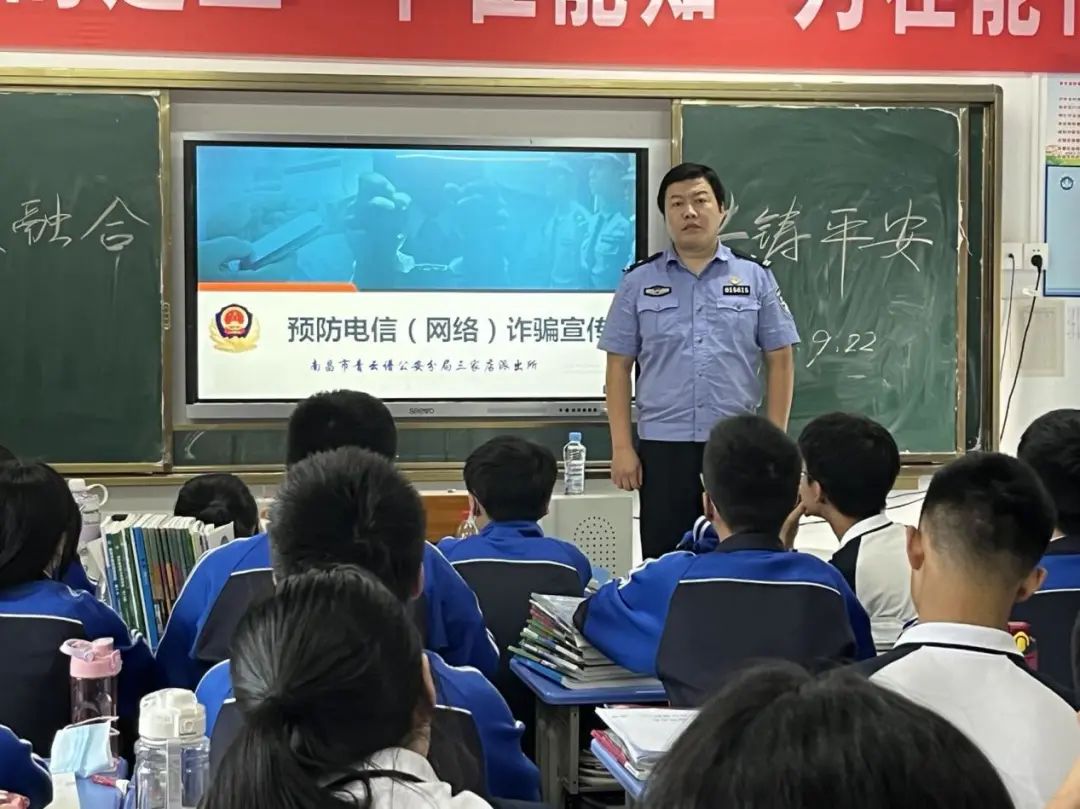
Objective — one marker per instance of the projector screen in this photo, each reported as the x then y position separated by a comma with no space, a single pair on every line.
416,272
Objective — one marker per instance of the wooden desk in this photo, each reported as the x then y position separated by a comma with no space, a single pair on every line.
444,510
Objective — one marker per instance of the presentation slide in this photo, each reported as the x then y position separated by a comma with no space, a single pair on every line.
420,273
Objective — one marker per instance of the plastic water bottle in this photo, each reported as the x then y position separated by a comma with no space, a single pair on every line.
172,756
467,527
90,503
95,667
573,455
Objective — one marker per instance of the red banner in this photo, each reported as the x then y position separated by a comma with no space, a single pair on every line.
909,35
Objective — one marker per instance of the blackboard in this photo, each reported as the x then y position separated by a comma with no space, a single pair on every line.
858,209
81,278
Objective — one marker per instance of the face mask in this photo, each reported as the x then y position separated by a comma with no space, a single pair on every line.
83,750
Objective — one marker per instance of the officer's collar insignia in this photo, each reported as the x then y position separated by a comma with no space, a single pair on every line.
657,291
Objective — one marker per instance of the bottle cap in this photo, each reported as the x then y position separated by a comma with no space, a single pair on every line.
173,713
76,485
575,437
93,660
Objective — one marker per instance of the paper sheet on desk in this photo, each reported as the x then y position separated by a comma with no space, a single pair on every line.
647,733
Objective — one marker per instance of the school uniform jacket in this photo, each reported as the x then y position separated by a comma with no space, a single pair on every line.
229,578
509,773
22,772
35,692
873,559
1053,613
692,619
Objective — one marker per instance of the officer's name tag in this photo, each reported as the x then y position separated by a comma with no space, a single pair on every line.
737,289
660,291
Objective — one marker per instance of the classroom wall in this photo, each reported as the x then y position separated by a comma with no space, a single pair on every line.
1022,171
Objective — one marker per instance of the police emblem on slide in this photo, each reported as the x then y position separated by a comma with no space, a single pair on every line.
234,329
657,291
736,287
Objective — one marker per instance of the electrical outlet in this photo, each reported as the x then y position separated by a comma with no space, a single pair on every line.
1016,251
1032,249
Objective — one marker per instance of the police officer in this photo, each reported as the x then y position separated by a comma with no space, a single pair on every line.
697,320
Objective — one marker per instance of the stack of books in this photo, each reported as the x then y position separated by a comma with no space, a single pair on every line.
637,738
551,646
148,557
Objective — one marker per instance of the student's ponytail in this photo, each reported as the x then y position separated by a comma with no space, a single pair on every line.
326,673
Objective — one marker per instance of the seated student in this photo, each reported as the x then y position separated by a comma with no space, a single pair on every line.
22,772
851,464
337,699
985,524
1051,446
229,578
351,507
761,600
219,500
39,532
778,738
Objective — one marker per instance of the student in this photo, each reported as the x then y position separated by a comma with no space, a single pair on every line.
351,507
1051,446
693,619
777,738
39,533
219,500
229,578
985,524
22,772
851,465
338,700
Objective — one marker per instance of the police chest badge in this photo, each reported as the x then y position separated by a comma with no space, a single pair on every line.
234,329
657,291
737,287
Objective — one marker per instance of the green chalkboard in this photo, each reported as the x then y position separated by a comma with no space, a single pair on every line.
81,277
858,209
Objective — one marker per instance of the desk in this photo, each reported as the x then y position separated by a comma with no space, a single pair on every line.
558,726
634,788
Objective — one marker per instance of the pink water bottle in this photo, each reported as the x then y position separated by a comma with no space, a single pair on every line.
95,667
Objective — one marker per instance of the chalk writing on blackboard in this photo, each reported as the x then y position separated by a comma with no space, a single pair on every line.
44,222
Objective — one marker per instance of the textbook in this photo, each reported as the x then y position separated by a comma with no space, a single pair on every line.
639,737
147,559
551,646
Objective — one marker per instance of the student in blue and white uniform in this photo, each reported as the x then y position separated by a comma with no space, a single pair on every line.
692,620
1051,446
39,533
229,578
219,499
22,772
351,507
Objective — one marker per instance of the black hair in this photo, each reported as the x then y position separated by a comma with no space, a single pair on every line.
512,478
690,171
1051,446
341,418
326,673
349,507
991,512
751,471
39,523
855,460
219,499
777,738
6,454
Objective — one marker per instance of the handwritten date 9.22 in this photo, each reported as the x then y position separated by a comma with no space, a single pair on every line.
825,343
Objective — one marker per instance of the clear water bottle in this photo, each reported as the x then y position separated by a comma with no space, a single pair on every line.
95,669
172,756
467,527
90,503
573,455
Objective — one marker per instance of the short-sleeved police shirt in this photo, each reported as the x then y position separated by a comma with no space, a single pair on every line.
697,339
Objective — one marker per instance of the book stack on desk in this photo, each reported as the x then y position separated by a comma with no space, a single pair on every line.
551,646
638,738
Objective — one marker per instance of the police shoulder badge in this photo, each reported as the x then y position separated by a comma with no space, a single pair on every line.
234,329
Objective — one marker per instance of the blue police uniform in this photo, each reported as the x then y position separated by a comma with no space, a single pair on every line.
35,619
516,541
22,772
692,619
454,624
510,774
1054,615
698,341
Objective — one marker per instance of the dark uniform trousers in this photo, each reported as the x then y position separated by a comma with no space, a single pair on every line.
670,493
